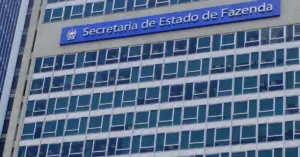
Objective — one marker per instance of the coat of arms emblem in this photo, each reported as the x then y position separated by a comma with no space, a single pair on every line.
71,35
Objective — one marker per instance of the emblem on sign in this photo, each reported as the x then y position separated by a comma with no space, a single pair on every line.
71,35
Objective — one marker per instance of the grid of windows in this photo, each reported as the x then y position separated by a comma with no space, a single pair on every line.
147,143
102,7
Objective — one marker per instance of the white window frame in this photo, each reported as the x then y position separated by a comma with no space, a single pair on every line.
52,132
179,50
61,85
114,7
152,147
39,89
234,40
68,64
156,53
146,95
262,62
295,79
98,11
141,5
123,97
251,88
162,2
267,133
170,94
170,74
273,110
193,71
225,91
270,33
270,84
245,65
77,102
34,106
215,116
102,82
294,30
190,139
72,14
87,62
252,41
143,77
93,151
123,149
217,67
81,84
101,123
210,43
55,155
238,114
48,66
130,47
59,17
135,123
123,78
115,57
215,136
71,144
124,122
56,108
291,109
166,121
165,141
32,134
241,133
100,98
188,119
78,126
197,94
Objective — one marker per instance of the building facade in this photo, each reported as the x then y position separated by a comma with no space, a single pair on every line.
90,88
12,21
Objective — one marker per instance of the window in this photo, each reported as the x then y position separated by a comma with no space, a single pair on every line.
61,83
122,122
96,147
271,82
296,31
204,44
140,4
118,146
292,130
228,41
148,95
59,105
53,128
82,81
193,68
217,137
252,38
151,73
270,107
162,3
169,117
270,132
292,79
245,109
112,56
147,143
180,47
246,85
244,134
47,64
68,61
220,88
277,35
292,105
105,101
219,112
30,151
190,115
97,8
105,78
135,53
291,152
57,14
76,126
98,124
32,131
36,108
125,98
119,6
192,139
246,61
90,59
199,90
142,119
157,50
52,150
39,86
80,103
292,56
176,93
174,70
129,75
77,11
72,149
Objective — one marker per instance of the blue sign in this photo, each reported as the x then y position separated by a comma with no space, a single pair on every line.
172,21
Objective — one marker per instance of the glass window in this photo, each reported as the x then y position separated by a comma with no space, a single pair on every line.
119,6
56,14
252,38
218,65
275,132
157,49
204,44
170,70
277,35
267,59
162,2
292,56
194,68
276,82
68,61
225,87
72,127
95,124
37,86
228,41
248,134
176,93
124,76
190,115
77,11
152,95
180,47
147,143
112,56
90,59
129,98
292,105
106,100
166,117
98,8
171,142
79,81
200,90
250,85
47,64
222,137
140,4
135,53
142,120
147,73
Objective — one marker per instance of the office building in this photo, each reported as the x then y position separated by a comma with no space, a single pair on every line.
159,78
12,21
